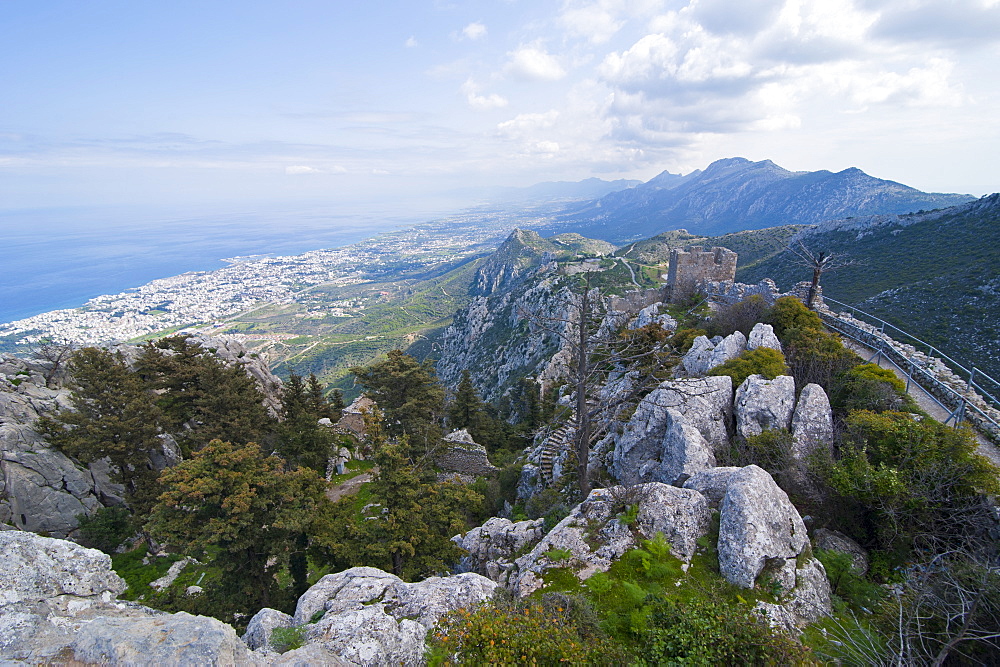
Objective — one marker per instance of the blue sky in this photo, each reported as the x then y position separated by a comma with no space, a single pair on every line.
218,103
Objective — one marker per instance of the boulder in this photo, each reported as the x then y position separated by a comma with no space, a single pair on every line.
812,422
640,449
258,633
34,568
57,605
712,483
706,354
762,335
833,540
807,602
592,536
371,617
764,404
659,444
492,547
758,527
651,315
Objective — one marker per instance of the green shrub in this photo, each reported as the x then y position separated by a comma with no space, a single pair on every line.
790,313
870,387
918,482
762,361
683,339
851,589
106,529
706,632
508,631
288,639
771,450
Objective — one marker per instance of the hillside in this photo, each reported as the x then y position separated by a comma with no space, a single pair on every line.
736,194
936,275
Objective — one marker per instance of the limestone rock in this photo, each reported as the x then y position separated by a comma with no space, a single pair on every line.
764,404
758,527
659,444
812,423
57,605
593,537
806,603
833,540
705,354
762,335
651,315
258,634
492,547
712,483
704,403
371,617
36,568
167,639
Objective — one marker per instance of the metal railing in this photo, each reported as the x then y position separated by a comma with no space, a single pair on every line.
976,401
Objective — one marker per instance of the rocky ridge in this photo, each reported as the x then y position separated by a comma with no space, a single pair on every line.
41,489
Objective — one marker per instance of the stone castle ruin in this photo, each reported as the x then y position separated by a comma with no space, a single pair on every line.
691,267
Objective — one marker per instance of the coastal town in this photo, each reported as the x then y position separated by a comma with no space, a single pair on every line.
208,299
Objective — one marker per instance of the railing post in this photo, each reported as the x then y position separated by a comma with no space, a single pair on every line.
972,374
909,376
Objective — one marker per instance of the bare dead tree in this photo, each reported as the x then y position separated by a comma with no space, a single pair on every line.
54,355
596,357
820,262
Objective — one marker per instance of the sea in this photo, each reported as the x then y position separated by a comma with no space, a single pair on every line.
58,258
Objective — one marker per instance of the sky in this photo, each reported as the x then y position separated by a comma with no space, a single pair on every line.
225,103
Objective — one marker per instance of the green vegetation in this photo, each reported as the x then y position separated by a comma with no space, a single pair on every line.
646,609
762,361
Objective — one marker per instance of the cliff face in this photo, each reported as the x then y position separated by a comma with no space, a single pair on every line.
41,489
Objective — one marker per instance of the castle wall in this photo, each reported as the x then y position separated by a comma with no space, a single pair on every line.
689,268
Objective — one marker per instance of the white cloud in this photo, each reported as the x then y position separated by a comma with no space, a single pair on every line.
527,123
481,102
295,170
474,31
534,64
593,22
411,42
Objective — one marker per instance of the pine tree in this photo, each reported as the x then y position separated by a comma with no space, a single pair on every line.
301,440
409,394
467,409
246,509
114,416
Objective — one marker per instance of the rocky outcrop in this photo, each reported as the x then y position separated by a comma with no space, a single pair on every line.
651,315
57,604
493,546
758,527
763,405
806,603
812,422
592,536
41,490
370,617
706,354
762,335
659,444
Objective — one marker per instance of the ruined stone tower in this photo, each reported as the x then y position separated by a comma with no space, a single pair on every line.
690,267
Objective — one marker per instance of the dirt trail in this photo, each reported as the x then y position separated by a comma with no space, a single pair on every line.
351,486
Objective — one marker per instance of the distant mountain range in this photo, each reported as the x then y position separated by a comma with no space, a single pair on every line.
736,194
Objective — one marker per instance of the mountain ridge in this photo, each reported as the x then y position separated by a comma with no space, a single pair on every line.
736,194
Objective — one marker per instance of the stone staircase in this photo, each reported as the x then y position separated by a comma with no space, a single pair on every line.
552,449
